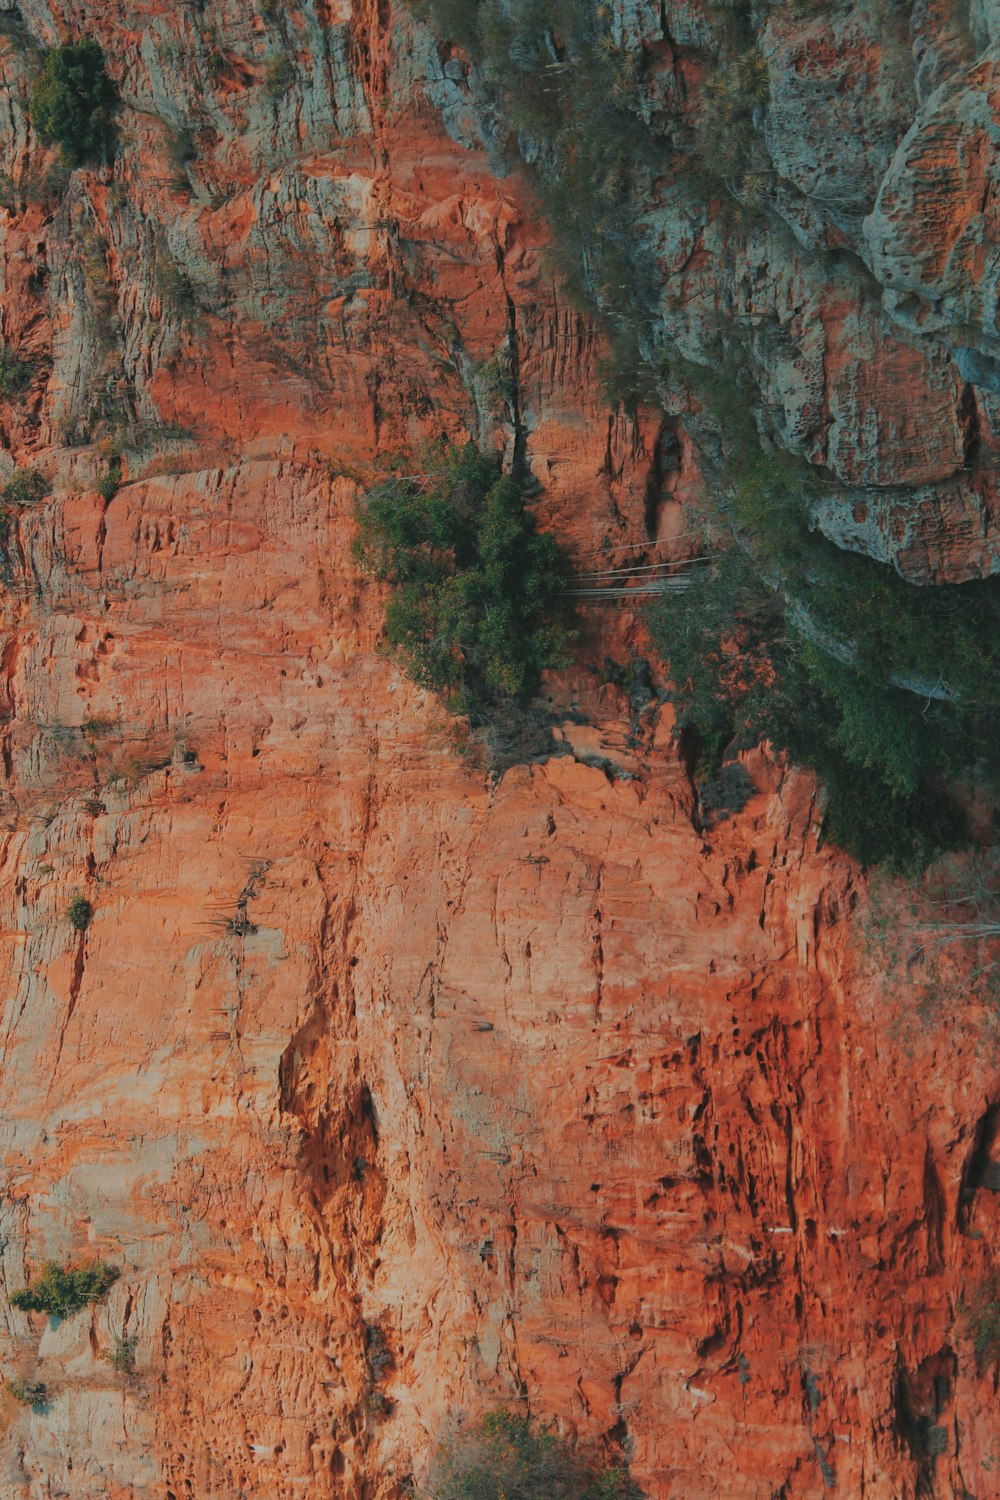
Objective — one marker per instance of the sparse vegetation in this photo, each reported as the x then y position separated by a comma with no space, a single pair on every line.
508,1457
573,98
109,482
79,913
71,101
726,136
174,285
28,1392
279,74
980,1318
181,150
61,1290
475,612
25,487
122,1356
16,374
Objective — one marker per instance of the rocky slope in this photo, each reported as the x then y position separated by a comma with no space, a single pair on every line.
578,1104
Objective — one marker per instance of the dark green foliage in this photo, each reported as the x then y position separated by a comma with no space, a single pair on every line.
887,689
61,1290
15,374
476,610
26,487
28,1392
110,482
71,101
726,134
508,1457
79,912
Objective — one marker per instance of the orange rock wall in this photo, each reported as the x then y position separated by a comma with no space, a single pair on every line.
585,1108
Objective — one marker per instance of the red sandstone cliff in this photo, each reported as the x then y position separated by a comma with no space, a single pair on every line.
584,1108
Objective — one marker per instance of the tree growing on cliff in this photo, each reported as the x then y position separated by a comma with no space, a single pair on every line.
79,913
888,690
60,1290
476,610
508,1457
71,101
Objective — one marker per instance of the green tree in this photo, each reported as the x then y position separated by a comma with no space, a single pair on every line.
60,1290
71,101
79,912
25,487
476,611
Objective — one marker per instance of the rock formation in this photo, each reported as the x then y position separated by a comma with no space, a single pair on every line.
396,1089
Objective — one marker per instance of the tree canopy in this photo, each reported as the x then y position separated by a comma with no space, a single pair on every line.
71,101
476,611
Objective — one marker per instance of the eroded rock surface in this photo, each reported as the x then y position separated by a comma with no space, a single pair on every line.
578,1103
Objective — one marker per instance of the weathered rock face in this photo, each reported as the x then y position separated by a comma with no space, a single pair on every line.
849,251
579,1104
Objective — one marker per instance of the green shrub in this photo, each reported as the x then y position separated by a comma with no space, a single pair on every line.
476,609
26,487
508,1457
16,374
110,482
122,1356
61,1290
28,1392
79,913
279,75
71,101
742,668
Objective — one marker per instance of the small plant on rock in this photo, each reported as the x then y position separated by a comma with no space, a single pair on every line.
110,482
79,913
28,1392
279,75
981,1321
15,374
122,1356
61,1290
